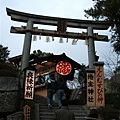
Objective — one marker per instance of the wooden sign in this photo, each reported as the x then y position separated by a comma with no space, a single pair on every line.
90,88
100,99
26,111
29,84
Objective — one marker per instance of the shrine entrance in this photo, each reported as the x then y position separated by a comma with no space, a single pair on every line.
62,25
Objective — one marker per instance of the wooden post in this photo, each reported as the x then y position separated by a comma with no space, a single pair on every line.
27,46
91,48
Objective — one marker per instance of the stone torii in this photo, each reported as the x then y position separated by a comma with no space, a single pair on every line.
62,24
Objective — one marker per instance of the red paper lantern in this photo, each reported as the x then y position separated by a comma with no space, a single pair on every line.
63,68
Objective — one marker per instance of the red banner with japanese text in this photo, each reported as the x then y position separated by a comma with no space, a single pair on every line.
99,83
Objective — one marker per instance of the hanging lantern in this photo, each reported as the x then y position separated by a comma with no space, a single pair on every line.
86,41
74,42
67,40
63,68
61,40
47,39
52,38
34,38
40,36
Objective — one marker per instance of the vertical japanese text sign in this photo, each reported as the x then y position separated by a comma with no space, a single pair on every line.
29,84
99,74
90,87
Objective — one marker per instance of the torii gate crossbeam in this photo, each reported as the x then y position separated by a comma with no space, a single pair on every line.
47,20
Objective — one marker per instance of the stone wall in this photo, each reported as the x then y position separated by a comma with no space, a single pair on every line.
10,97
15,116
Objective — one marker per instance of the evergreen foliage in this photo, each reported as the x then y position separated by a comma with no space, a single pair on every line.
39,53
4,52
6,68
108,10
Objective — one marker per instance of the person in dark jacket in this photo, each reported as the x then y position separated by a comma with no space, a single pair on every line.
64,113
60,87
51,88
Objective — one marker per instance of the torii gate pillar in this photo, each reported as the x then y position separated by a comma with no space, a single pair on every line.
91,48
27,46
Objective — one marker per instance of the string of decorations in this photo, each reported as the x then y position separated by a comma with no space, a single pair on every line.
75,36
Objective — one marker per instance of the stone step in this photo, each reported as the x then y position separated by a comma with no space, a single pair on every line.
76,107
80,118
45,109
52,113
47,114
51,118
45,118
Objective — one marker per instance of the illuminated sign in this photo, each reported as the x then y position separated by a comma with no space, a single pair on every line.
63,68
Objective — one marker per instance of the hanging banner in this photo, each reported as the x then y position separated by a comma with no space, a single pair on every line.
90,87
29,84
100,99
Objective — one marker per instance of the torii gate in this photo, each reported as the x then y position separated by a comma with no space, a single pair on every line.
62,24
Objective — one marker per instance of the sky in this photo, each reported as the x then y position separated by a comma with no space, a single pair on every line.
73,9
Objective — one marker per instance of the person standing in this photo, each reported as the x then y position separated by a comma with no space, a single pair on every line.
51,88
64,113
60,87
